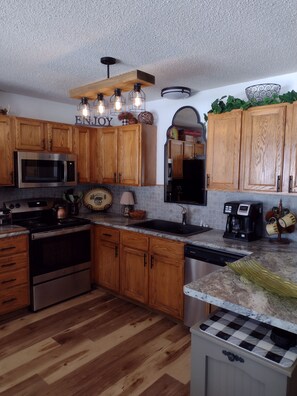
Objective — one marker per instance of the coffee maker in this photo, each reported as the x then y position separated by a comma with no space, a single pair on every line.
244,221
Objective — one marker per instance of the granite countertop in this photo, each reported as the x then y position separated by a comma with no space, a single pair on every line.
12,230
226,289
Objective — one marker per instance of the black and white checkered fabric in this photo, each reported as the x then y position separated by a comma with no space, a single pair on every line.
248,334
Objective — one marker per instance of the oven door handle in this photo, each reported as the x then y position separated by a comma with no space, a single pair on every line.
62,231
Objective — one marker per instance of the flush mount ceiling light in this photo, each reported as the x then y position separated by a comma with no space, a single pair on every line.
123,82
176,92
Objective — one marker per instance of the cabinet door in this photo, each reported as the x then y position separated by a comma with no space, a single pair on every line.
107,265
29,134
134,274
175,152
108,155
290,157
6,152
263,148
166,276
223,151
95,156
60,138
129,155
82,150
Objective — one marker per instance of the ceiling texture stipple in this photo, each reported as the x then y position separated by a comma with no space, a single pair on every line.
49,47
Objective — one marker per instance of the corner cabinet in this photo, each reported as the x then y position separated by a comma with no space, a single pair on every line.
6,152
128,155
223,151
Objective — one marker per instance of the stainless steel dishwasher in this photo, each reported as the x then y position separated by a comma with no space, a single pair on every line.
200,261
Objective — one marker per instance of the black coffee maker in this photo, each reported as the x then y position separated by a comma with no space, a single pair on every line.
244,221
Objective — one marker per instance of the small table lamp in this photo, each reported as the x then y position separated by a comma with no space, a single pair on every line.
127,200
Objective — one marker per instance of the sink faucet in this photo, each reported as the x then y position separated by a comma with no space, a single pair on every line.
184,215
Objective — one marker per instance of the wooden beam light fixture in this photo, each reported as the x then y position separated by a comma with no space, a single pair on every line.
124,82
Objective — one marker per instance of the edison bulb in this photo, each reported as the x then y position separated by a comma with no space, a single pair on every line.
137,101
118,103
101,108
85,111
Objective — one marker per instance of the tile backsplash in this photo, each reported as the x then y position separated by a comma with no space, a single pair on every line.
151,199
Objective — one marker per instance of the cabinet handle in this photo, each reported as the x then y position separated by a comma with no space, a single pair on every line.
290,184
152,261
120,177
108,235
11,177
9,301
278,183
43,144
51,145
8,281
114,177
232,357
78,177
144,259
7,265
7,248
207,180
116,251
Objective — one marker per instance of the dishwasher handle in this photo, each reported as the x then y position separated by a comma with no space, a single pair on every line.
210,255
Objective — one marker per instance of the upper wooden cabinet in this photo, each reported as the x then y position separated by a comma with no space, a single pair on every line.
6,151
82,147
37,135
263,148
223,151
290,154
128,155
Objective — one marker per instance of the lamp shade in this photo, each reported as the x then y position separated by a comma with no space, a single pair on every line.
127,198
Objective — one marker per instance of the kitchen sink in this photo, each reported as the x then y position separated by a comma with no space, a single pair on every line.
171,227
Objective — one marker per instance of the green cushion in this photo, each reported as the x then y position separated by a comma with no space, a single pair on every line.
256,273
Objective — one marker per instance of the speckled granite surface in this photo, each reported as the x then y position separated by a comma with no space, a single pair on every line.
12,230
226,289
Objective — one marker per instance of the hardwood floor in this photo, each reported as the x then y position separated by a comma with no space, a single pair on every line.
95,344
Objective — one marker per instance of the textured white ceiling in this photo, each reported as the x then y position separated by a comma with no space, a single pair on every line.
48,47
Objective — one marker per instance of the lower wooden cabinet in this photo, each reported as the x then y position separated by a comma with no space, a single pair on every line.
14,273
106,257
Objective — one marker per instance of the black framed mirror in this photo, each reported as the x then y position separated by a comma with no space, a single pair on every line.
184,159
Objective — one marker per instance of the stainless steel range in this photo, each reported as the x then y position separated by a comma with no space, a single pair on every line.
59,251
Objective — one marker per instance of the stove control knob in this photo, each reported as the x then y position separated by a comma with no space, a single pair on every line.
17,205
11,206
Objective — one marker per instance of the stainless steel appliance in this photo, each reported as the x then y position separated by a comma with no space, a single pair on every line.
200,261
244,220
5,216
59,251
45,169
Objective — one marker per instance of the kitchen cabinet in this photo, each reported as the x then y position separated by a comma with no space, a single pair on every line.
106,259
128,155
37,135
82,149
166,278
263,148
219,368
223,151
14,273
134,268
152,272
290,154
6,151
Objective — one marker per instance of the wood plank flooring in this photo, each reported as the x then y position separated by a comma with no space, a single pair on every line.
95,344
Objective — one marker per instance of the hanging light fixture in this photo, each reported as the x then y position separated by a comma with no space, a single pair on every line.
100,105
117,102
84,108
137,98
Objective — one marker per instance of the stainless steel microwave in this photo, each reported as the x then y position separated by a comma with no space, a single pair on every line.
34,169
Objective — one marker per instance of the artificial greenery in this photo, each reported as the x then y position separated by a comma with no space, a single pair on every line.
223,106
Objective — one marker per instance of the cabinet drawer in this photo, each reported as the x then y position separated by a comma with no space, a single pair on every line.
135,240
13,278
14,298
9,246
170,249
12,263
109,234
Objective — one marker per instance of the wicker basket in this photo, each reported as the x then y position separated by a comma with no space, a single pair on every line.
137,214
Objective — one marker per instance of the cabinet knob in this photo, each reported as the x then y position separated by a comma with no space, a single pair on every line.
11,177
278,180
51,145
152,261
116,251
114,177
144,259
207,180
120,177
290,184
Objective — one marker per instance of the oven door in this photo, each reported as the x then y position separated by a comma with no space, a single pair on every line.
59,252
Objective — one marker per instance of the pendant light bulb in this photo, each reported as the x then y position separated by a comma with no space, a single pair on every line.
100,104
84,107
117,101
137,98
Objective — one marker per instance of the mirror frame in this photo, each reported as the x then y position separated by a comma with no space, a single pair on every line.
166,157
